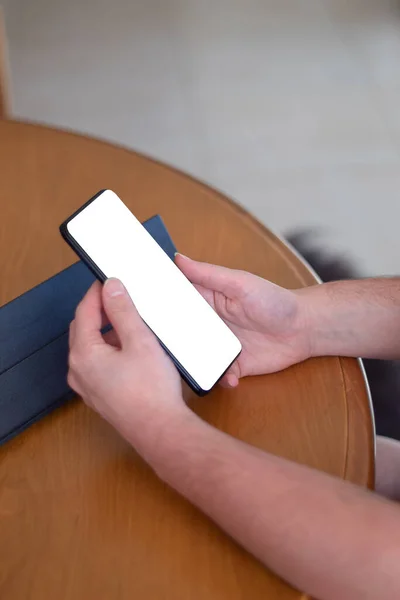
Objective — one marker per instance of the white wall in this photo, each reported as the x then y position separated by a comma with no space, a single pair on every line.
291,107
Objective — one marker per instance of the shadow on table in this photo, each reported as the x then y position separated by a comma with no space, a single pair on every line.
383,375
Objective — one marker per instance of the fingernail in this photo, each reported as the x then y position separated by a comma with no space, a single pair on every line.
181,255
113,287
232,380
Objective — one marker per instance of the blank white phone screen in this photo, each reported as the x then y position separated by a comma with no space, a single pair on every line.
173,309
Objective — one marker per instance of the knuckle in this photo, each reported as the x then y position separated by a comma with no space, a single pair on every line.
240,284
81,363
71,380
240,280
74,361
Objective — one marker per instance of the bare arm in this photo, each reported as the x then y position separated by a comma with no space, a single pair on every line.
324,536
279,327
353,318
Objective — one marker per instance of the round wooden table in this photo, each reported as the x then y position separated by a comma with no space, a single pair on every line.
82,516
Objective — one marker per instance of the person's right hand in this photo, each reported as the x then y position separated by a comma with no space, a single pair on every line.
268,320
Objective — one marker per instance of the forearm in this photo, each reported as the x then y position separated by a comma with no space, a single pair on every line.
353,318
325,537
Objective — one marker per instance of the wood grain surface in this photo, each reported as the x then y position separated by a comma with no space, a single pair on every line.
82,517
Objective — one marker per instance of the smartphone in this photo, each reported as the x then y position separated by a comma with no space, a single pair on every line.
113,243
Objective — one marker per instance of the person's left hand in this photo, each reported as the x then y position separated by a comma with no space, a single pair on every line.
124,375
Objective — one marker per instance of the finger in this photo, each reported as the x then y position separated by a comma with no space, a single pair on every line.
122,313
88,318
229,380
213,277
207,294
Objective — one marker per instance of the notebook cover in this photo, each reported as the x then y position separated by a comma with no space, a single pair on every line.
34,342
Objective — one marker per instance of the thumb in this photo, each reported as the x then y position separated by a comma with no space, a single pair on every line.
221,279
122,313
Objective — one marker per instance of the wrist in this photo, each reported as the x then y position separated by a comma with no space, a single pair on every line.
308,317
175,437
329,327
155,427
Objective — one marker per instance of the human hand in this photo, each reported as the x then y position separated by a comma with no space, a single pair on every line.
267,319
124,375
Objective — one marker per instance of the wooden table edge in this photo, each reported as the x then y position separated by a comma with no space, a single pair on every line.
307,275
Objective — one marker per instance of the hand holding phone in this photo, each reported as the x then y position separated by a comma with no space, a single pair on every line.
125,375
112,242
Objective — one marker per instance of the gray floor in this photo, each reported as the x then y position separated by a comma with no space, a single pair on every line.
292,107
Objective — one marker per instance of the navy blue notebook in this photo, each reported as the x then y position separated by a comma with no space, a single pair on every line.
34,342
